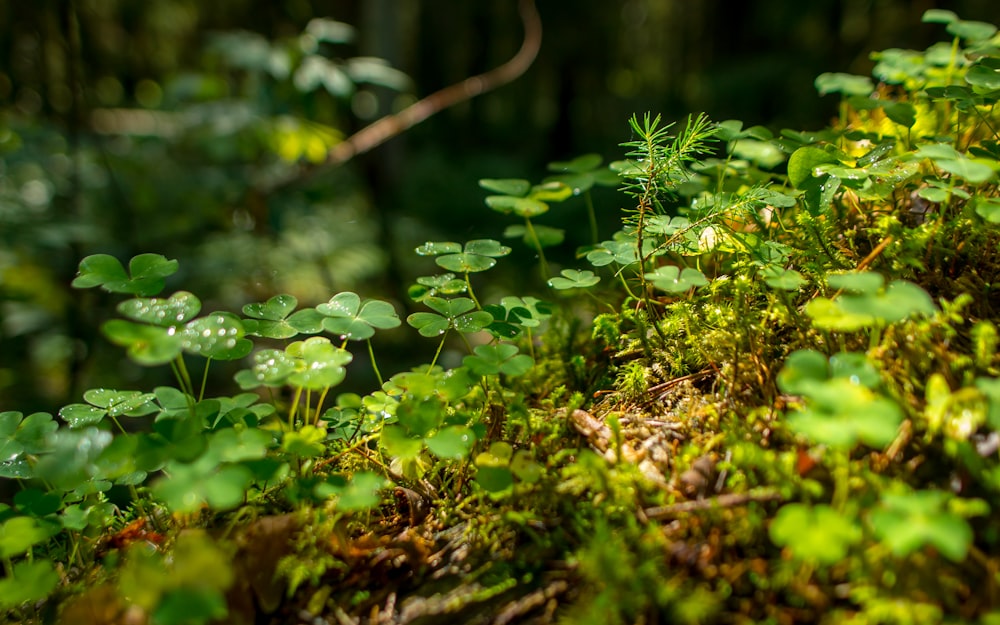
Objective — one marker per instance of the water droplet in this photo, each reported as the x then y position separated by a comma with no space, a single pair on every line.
206,333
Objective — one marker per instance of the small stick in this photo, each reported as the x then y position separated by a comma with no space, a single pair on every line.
730,500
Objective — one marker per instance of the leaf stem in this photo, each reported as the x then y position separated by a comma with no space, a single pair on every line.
371,355
543,266
591,216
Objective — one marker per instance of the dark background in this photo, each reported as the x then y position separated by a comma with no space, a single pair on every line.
196,188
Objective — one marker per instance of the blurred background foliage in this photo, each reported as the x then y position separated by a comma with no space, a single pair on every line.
175,126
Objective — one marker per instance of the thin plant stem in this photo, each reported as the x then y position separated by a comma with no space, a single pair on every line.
204,379
591,215
371,355
430,367
294,408
472,294
543,266
319,404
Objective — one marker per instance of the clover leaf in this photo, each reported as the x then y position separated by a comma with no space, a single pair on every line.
814,533
218,336
520,198
164,312
275,319
574,279
906,522
547,236
360,492
582,173
189,486
106,402
28,581
453,313
847,84
144,344
306,442
18,534
349,318
513,314
496,359
841,407
430,286
673,279
453,442
493,471
319,363
21,436
145,277
782,279
866,304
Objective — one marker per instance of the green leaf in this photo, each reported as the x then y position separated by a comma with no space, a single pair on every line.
803,162
762,153
184,605
117,403
487,247
349,319
453,442
982,76
29,581
360,493
99,269
465,263
274,309
939,16
163,312
574,279
272,367
506,186
972,171
306,442
433,248
550,191
472,322
673,279
782,279
19,534
902,113
148,273
450,308
494,480
578,165
79,415
269,319
145,344
496,359
847,84
520,206
398,443
907,522
218,336
321,364
814,533
429,324
860,282
190,486
547,236
971,30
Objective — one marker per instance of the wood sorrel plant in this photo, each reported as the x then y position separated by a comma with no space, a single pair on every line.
795,402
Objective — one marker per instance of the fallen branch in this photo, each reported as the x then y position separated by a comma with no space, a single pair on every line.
385,128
